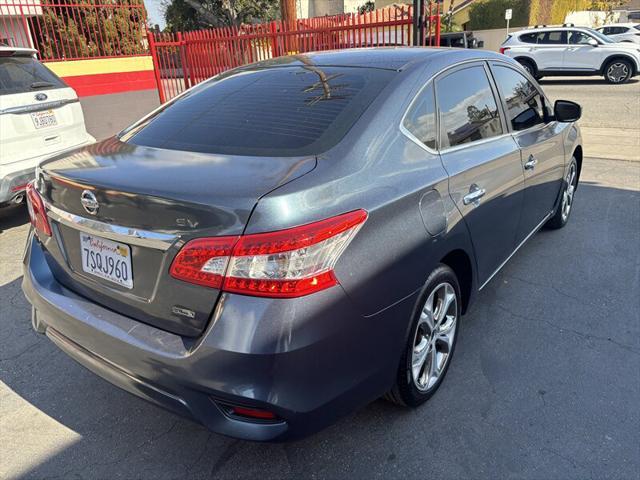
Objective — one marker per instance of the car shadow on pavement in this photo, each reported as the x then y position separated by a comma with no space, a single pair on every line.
580,81
541,386
13,216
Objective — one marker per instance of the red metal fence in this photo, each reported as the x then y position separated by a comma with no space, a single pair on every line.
182,60
66,30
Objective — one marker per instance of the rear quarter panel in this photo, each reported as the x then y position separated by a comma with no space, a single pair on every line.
379,169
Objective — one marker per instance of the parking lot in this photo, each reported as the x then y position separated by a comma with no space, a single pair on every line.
545,382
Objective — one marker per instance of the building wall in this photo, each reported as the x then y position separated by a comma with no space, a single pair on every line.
14,32
100,76
492,38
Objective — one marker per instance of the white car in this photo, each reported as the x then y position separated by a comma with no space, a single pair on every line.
40,116
572,51
622,32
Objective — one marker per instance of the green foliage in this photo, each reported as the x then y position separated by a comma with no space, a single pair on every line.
369,6
184,15
489,14
113,28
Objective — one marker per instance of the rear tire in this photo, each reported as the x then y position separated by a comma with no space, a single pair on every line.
431,342
563,212
618,71
530,67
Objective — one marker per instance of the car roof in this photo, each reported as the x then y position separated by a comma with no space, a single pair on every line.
548,29
628,24
388,58
18,50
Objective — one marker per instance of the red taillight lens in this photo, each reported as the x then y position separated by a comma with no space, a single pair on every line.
287,263
203,261
503,49
37,212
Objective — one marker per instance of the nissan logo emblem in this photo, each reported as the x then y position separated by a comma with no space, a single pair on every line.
41,97
89,202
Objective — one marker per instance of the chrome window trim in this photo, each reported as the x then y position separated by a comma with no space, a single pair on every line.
431,81
525,74
37,107
484,64
132,236
406,131
462,146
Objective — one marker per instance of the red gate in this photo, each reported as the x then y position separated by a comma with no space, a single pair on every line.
182,60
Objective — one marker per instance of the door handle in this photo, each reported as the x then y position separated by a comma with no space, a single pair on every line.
531,163
474,195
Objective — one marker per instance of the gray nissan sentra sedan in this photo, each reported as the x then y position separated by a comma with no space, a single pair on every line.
293,239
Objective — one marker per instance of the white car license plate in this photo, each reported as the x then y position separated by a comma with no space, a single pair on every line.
44,119
106,259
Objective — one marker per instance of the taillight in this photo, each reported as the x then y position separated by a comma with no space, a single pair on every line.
203,261
503,49
37,212
287,263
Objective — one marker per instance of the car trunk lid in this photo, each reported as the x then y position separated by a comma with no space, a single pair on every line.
151,201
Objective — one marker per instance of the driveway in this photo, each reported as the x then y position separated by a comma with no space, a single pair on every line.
545,382
610,114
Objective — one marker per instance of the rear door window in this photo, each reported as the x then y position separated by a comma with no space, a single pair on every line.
467,106
554,37
25,74
529,38
525,105
280,111
420,120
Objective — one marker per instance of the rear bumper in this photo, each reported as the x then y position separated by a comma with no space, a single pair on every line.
21,172
309,362
14,184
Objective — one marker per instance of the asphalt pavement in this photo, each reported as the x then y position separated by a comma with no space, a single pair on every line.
545,382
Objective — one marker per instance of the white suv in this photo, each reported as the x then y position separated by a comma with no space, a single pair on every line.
39,116
622,32
572,51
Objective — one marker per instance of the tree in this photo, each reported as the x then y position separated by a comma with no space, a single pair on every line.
490,14
69,30
369,6
184,15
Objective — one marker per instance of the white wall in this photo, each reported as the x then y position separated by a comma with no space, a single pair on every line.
591,19
492,38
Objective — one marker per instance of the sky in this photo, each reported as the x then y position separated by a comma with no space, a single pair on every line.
154,9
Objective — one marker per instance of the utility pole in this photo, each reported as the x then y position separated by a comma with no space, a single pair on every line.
288,12
418,22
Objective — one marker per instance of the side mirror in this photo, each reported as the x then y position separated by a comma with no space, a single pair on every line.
481,44
593,42
566,111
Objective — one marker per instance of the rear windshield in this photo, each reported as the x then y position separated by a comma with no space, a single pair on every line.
25,74
283,111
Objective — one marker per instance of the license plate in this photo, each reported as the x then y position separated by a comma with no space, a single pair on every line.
106,259
44,119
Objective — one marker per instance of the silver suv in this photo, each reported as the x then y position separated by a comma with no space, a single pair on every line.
572,51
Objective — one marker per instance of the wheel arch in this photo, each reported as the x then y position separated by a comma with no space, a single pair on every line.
578,155
619,56
460,262
524,58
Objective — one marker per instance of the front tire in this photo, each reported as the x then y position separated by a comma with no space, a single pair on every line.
432,339
561,217
618,71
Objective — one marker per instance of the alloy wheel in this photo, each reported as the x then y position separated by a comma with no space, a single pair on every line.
567,196
435,333
617,72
